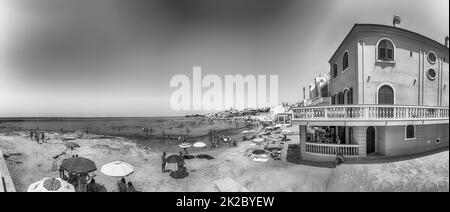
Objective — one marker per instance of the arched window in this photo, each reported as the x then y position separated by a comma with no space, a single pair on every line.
335,70
336,100
345,61
350,96
385,95
410,132
345,96
341,98
385,50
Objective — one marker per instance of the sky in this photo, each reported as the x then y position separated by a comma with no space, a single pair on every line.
93,58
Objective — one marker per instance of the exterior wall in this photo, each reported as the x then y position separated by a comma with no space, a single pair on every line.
445,83
348,78
380,145
407,75
396,145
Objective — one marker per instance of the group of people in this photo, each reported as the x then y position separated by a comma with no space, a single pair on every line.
180,166
216,140
123,186
79,181
36,136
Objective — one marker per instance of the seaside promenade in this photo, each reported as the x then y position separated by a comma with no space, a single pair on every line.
6,184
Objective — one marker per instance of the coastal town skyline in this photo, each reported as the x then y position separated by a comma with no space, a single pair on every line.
122,68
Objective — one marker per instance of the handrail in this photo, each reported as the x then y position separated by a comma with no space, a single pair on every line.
370,112
348,150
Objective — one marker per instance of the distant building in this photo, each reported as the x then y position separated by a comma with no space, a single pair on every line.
319,93
389,96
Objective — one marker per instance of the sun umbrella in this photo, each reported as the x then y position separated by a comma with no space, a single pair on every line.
71,144
199,145
117,169
174,159
51,185
185,145
258,140
78,165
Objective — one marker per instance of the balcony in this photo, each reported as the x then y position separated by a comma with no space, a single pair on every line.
332,149
348,115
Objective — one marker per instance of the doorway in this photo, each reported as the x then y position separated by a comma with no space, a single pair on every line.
370,139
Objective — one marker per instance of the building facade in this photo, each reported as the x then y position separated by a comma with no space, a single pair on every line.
389,96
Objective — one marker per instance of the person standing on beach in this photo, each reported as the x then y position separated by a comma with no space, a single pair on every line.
82,182
122,185
43,136
163,162
31,134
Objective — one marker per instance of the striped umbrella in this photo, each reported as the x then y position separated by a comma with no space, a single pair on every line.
51,185
185,145
78,165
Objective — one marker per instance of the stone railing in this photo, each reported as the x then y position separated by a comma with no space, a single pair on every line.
370,112
332,149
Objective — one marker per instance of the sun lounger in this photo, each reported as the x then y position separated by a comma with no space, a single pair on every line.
260,159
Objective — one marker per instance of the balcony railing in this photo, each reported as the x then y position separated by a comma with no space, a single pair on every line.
370,112
332,149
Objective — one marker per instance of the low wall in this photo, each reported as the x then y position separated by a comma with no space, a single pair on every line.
5,177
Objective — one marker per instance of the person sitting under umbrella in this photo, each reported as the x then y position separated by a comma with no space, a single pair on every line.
93,186
82,182
122,185
131,188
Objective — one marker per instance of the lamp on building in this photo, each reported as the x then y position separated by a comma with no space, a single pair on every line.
368,79
414,83
396,21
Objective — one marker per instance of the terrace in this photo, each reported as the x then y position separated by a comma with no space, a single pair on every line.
366,115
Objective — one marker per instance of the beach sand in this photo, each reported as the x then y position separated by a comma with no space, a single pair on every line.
29,162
